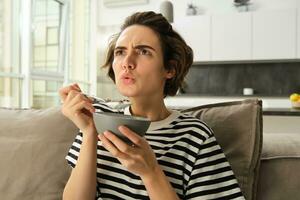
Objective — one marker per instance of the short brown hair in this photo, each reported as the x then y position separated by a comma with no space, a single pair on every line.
174,48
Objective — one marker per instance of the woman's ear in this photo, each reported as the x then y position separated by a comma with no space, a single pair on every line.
170,71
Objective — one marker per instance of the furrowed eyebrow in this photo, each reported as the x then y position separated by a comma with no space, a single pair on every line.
144,46
136,47
119,47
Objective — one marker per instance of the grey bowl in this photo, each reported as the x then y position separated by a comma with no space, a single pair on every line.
111,121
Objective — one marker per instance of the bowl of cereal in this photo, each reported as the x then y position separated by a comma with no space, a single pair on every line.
108,121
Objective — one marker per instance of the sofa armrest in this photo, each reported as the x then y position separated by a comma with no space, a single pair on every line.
280,164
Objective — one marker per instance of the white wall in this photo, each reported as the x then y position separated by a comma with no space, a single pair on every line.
113,16
109,20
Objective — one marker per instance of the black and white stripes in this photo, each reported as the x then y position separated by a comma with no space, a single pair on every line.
187,151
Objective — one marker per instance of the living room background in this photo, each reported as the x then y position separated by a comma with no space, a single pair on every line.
44,44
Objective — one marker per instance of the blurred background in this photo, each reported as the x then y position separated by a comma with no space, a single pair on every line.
243,48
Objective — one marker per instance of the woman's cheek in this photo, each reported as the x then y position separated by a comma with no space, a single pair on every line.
115,68
114,64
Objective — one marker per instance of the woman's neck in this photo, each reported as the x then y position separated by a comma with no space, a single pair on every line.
153,110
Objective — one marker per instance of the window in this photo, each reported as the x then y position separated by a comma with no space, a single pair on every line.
49,50
10,91
46,46
45,93
55,63
1,34
10,77
45,40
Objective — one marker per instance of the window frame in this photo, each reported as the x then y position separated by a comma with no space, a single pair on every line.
28,73
22,47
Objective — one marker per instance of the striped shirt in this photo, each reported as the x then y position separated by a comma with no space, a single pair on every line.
186,150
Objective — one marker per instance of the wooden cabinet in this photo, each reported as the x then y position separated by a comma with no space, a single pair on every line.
196,32
274,35
231,37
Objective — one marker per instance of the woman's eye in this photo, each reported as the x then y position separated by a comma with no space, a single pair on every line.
118,52
144,52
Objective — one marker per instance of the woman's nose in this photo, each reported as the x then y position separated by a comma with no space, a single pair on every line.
129,62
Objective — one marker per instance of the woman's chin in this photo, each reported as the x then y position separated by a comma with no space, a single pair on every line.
127,93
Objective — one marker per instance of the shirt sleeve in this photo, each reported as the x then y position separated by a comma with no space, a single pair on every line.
74,150
212,176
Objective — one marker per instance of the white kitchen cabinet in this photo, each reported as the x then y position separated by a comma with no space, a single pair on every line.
274,34
196,32
298,32
231,37
258,35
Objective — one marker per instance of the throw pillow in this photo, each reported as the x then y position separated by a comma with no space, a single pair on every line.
238,129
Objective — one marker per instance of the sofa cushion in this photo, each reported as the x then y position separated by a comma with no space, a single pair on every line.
238,129
280,163
33,145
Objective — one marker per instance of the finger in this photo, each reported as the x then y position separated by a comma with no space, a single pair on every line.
108,145
78,108
120,144
63,92
76,97
71,95
75,93
132,136
76,102
91,99
77,86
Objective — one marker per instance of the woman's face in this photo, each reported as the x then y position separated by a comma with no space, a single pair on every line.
138,63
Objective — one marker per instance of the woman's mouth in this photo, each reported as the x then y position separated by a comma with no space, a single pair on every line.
127,79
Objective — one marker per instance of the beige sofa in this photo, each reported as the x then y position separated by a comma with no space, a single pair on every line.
33,144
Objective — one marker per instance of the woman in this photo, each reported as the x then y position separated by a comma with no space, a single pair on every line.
178,158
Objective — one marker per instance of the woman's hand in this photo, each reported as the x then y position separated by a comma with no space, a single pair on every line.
77,107
138,158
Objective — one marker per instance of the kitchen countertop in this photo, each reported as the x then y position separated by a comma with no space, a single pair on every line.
190,101
281,111
271,106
